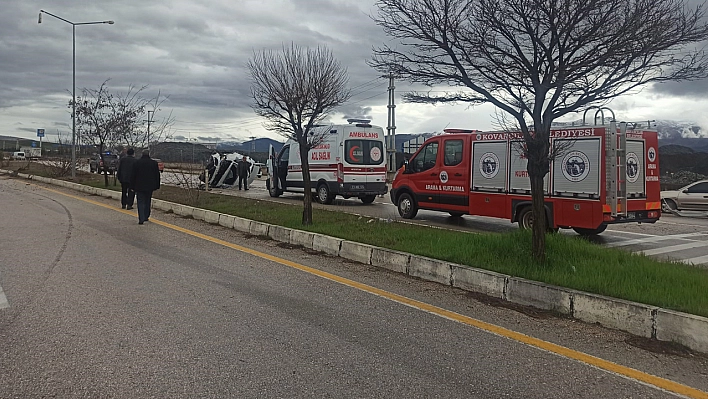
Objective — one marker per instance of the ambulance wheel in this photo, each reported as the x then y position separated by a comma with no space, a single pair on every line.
367,199
590,232
272,191
406,206
324,196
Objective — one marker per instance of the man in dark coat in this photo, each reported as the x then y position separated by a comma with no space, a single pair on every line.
242,168
144,180
125,171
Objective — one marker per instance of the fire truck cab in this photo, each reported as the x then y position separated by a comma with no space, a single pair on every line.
604,174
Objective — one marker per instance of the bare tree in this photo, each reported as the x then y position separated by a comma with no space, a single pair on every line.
294,90
96,120
538,60
140,127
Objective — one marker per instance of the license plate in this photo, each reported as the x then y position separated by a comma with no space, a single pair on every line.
357,186
631,215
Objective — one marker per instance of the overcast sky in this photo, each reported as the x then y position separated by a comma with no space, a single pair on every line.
195,53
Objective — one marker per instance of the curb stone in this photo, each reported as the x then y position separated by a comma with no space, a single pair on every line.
390,259
632,317
482,281
636,318
538,295
226,220
329,245
430,269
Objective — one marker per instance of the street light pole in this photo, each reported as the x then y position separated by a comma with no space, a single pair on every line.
73,75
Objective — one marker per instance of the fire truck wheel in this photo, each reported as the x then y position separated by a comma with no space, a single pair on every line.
590,232
526,218
368,199
324,195
406,206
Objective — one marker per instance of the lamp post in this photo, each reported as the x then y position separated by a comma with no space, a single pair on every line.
73,91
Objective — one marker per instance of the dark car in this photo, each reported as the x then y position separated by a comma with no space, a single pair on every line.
96,163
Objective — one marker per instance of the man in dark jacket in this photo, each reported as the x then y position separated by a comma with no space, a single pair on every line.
144,180
125,171
242,168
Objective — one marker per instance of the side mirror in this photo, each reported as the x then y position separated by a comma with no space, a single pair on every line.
685,191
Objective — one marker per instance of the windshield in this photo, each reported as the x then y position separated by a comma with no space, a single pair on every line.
364,152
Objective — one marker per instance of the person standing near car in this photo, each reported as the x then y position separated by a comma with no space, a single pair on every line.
145,179
242,169
125,172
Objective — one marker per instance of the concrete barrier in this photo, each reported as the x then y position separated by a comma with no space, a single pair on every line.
477,280
356,251
390,259
430,269
326,244
211,217
538,295
242,225
280,233
302,238
635,318
198,213
183,210
226,220
259,229
686,329
162,205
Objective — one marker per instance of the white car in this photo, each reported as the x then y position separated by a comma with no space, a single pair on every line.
693,197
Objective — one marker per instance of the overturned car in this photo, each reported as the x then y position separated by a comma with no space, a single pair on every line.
222,170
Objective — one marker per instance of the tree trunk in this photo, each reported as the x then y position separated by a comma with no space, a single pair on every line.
307,199
538,240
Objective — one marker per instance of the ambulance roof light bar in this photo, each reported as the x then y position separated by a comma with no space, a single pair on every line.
354,120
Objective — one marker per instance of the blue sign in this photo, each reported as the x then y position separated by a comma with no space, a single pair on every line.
40,133
34,144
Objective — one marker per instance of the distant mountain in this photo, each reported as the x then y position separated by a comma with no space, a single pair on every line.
685,134
257,145
674,149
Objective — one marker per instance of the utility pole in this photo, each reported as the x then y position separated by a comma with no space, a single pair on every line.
149,121
391,128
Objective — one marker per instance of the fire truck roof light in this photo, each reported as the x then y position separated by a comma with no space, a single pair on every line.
460,131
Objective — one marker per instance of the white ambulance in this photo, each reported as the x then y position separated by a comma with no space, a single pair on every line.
350,161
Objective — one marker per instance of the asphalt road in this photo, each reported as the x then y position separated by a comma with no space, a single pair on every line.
94,305
681,238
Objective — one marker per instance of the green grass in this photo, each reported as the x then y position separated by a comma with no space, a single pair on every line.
571,261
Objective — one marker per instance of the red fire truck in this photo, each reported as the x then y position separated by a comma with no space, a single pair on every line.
603,174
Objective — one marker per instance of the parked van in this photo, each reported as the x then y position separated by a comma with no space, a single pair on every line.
18,155
349,161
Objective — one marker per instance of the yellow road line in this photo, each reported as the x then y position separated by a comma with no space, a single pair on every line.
603,364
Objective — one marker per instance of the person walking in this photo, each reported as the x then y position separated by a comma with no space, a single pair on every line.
125,172
145,179
242,168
